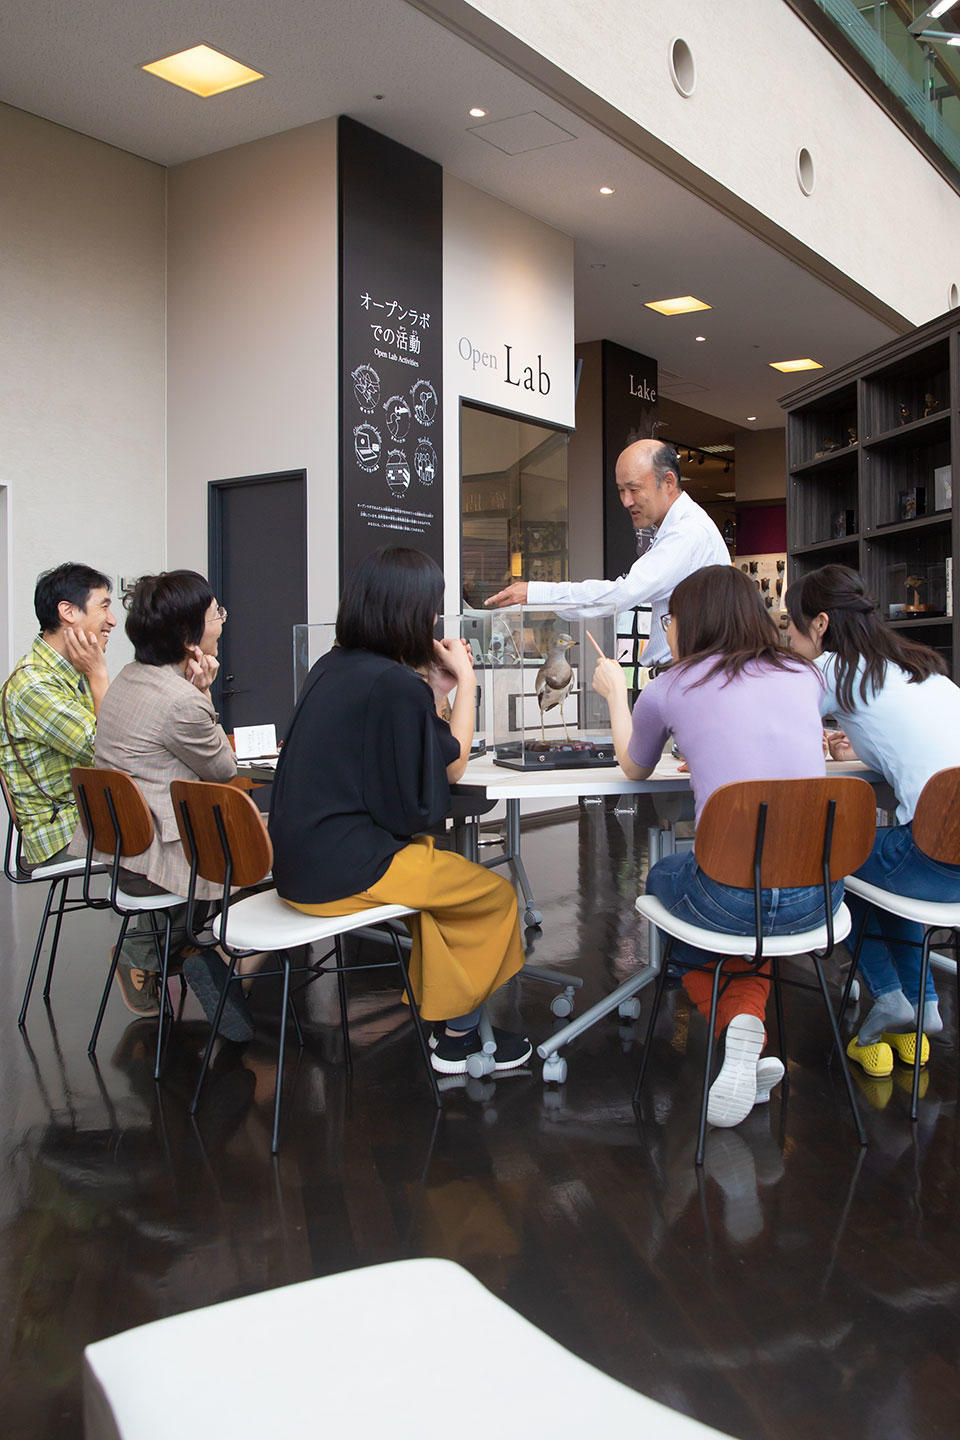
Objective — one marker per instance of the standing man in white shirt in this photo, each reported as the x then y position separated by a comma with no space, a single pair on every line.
648,481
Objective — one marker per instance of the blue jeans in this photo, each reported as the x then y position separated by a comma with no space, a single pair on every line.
679,884
896,864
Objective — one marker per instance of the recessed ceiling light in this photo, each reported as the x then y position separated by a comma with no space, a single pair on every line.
726,494
607,190
680,305
788,366
203,71
477,113
751,417
699,339
598,265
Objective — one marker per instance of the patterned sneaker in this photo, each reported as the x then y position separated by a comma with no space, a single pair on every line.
769,1075
905,1046
139,989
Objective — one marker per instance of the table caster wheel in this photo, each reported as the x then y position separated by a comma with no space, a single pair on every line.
555,1069
532,918
562,1005
479,1065
629,1009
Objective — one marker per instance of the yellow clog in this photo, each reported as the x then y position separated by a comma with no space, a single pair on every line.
876,1060
905,1046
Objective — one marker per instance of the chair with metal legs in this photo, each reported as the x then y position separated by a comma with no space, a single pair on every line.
58,878
226,843
936,831
767,834
117,821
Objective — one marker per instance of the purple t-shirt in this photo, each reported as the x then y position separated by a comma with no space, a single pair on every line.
764,724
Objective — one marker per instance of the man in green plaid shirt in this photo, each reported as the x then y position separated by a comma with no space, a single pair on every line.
49,705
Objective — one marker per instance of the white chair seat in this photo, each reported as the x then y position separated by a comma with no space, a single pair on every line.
926,912
134,903
265,922
725,944
333,1358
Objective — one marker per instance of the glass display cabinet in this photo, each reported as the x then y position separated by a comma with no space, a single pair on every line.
540,707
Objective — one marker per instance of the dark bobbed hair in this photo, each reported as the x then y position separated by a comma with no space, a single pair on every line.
165,614
70,582
389,604
856,631
719,616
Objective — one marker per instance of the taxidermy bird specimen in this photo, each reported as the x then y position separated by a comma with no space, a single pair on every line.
555,679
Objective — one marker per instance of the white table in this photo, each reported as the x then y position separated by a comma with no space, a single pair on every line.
674,800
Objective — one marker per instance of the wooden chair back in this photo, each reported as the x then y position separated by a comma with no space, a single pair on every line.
794,830
244,832
96,792
936,824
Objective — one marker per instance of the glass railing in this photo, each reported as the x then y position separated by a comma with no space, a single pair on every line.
920,70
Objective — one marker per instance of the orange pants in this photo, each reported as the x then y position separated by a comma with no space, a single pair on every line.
740,997
466,938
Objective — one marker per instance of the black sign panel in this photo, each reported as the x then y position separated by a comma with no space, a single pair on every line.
629,412
391,346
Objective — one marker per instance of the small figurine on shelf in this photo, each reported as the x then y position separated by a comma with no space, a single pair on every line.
930,406
851,434
905,416
555,679
914,584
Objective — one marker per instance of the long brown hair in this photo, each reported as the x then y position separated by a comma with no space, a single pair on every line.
856,632
719,616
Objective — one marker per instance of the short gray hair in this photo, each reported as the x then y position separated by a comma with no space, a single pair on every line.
664,460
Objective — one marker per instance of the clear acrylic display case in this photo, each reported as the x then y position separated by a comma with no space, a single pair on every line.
311,643
539,703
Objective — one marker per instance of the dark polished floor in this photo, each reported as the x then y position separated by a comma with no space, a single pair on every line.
798,1287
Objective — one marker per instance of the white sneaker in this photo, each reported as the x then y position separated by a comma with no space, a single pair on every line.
769,1075
734,1092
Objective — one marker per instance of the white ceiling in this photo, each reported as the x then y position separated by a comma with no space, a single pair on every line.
77,62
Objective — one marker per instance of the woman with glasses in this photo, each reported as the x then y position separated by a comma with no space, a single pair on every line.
740,708
159,726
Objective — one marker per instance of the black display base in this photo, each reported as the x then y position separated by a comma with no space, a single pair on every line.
556,755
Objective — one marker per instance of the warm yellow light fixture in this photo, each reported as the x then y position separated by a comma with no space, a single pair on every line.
477,113
680,305
203,71
516,565
788,366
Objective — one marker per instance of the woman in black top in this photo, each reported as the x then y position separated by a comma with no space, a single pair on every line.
365,768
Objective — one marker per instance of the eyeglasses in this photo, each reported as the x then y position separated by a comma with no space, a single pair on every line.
221,612
666,620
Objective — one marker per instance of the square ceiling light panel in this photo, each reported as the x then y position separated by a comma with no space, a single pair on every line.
520,133
203,71
789,366
679,305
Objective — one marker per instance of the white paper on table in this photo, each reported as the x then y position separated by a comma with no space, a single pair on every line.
252,741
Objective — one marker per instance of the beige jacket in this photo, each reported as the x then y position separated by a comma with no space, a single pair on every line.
157,727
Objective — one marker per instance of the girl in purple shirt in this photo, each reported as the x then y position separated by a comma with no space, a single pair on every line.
740,708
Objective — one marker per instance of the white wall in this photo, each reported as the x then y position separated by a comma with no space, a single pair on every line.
81,366
765,87
252,336
507,280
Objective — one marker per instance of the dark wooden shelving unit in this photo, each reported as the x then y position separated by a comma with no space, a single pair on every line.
860,450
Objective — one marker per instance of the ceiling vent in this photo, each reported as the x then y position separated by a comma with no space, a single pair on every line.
516,136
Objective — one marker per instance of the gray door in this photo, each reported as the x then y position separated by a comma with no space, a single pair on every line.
258,570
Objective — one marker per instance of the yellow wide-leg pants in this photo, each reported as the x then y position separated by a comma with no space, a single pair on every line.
466,938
